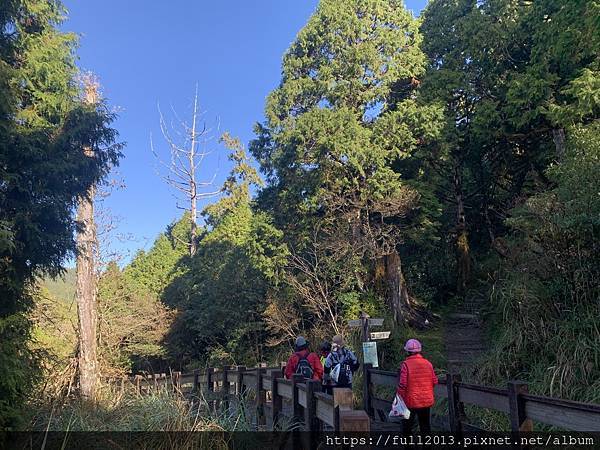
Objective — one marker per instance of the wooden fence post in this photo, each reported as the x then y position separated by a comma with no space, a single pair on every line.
138,386
296,407
196,386
260,397
176,381
455,407
238,387
367,389
310,413
210,386
277,402
518,418
240,380
226,388
342,401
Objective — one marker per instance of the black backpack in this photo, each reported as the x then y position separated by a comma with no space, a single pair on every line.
304,368
346,367
343,378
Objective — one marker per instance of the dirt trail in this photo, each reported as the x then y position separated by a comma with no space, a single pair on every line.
464,338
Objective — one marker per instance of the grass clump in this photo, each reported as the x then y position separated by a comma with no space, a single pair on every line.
162,409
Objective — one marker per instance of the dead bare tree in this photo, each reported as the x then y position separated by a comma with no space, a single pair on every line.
181,171
86,292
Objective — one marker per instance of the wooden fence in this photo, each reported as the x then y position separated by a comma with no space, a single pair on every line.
522,408
308,408
313,410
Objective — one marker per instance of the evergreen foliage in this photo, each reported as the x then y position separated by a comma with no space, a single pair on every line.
409,164
43,129
220,298
338,153
546,298
519,81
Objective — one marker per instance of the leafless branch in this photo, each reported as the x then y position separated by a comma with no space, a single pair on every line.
185,164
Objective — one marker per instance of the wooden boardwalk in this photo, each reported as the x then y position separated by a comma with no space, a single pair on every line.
273,402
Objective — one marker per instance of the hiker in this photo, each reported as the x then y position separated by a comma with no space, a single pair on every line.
325,351
346,360
416,380
303,362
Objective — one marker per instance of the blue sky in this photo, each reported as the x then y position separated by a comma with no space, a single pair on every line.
156,51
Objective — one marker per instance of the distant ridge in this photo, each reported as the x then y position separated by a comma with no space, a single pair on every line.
62,288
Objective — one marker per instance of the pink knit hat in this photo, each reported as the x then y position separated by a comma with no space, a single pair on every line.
412,346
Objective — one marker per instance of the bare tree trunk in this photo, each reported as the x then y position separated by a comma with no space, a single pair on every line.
193,187
186,158
463,254
86,280
397,292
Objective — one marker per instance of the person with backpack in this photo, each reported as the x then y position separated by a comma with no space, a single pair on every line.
304,362
325,351
341,364
416,380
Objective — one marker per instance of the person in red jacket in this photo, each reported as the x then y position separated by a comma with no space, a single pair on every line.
416,380
303,362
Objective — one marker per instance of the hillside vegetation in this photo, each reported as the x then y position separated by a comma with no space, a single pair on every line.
404,166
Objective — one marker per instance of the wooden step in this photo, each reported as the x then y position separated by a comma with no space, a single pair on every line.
462,316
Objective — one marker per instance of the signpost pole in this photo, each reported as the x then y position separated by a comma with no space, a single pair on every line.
366,336
364,318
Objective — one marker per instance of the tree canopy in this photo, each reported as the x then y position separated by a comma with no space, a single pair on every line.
43,129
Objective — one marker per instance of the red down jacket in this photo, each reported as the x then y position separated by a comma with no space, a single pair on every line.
313,360
415,382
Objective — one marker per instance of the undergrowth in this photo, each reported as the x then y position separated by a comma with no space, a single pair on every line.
161,409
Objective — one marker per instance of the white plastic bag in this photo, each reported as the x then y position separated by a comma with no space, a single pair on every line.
335,373
399,409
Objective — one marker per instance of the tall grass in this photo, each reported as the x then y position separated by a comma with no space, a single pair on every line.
556,350
161,409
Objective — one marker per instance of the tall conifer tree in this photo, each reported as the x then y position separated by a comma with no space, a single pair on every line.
344,112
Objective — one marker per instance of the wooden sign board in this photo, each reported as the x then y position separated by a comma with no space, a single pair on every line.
380,335
372,323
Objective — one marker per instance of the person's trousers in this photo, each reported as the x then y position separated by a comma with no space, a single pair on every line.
423,415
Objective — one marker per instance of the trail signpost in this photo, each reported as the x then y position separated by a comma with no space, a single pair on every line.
369,347
380,335
375,322
365,323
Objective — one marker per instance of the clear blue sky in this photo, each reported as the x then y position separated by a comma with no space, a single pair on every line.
145,52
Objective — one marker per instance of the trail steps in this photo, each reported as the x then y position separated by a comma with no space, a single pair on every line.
464,339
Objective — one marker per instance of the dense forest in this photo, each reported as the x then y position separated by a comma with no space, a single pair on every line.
404,166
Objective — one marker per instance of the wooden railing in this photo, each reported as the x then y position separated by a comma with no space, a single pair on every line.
313,410
308,408
521,407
